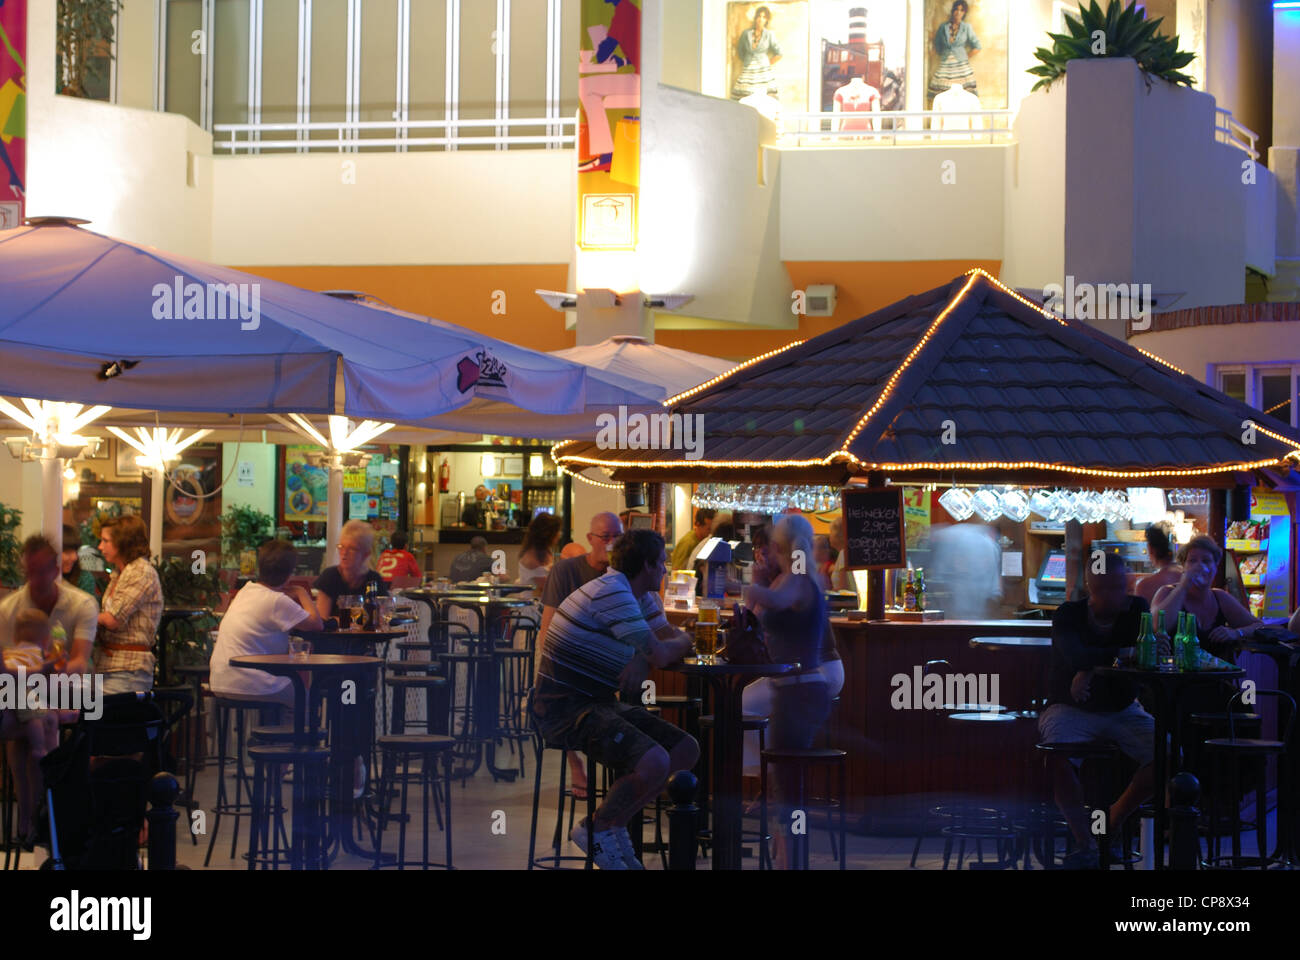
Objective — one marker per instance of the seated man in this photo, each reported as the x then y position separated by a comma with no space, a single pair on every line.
471,564
258,621
590,651
1085,706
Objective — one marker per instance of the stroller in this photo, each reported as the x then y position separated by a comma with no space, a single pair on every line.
97,783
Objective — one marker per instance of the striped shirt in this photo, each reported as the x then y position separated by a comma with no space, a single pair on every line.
596,632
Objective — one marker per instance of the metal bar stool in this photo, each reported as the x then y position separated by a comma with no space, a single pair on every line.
428,749
1105,753
1236,751
807,760
515,676
225,708
305,846
553,861
749,723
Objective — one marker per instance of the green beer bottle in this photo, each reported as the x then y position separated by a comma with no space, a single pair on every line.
1145,655
1191,648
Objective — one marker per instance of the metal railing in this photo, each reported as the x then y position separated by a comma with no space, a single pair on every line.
1228,130
894,126
557,133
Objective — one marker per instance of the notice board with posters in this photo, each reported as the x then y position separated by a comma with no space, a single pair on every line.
873,528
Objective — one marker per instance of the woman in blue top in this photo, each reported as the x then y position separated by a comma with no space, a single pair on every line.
758,52
956,43
793,614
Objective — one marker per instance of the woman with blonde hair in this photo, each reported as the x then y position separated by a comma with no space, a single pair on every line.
132,608
794,618
353,571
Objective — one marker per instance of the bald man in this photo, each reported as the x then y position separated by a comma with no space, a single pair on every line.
1086,705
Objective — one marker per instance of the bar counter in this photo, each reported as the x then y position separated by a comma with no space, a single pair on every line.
898,755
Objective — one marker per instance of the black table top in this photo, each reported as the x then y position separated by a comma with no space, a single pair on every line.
361,636
284,664
1173,676
720,668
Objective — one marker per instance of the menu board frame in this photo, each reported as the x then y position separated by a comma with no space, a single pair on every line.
878,495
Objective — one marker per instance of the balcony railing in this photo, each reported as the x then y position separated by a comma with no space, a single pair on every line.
896,126
1228,130
556,133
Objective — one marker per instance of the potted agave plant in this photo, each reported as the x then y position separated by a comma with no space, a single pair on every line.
1118,31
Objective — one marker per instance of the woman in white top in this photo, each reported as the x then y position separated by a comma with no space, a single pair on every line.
538,551
258,621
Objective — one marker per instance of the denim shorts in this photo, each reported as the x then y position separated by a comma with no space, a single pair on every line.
1132,728
613,733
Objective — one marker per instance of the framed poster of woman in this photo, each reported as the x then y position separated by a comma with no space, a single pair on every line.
767,51
966,48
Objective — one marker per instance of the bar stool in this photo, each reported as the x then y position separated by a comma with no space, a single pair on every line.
428,749
226,707
1209,726
1103,754
749,723
553,861
1238,751
8,815
807,760
476,719
515,674
305,850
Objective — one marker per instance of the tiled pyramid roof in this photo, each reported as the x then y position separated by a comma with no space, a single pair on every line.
966,382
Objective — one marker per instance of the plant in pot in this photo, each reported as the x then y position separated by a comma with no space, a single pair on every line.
1119,31
83,44
189,584
11,570
243,530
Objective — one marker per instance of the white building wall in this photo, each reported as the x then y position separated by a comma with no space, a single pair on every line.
1034,211
1197,350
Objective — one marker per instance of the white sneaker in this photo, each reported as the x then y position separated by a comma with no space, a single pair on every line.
607,852
627,851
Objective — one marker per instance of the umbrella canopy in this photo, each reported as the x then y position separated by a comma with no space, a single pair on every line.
636,357
91,319
605,390
968,382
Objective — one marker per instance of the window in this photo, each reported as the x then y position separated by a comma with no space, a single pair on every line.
378,61
1271,388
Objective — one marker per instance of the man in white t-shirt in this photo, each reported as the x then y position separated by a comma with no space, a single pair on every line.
45,589
258,621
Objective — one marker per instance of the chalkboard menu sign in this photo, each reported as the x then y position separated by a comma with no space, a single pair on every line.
873,527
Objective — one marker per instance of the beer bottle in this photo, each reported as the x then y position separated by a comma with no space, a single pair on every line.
920,588
1144,655
1191,649
370,601
909,592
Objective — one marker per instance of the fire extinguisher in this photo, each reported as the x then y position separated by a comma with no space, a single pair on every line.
444,476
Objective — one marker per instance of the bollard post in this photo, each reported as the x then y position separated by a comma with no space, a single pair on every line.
682,821
163,791
1184,843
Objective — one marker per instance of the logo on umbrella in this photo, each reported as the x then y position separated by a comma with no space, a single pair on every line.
484,369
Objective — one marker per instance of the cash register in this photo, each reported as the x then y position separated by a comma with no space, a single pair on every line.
1048,588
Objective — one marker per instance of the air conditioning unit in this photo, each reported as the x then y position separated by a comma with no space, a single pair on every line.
821,300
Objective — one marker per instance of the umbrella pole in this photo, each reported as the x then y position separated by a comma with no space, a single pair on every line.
155,513
334,517
52,503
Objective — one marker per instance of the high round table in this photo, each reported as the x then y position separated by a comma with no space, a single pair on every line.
327,667
1166,688
727,680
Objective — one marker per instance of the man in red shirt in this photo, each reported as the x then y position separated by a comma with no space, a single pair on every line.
397,561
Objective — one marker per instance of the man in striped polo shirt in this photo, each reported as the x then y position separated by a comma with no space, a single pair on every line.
601,640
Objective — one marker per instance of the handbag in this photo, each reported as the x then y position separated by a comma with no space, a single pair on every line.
745,642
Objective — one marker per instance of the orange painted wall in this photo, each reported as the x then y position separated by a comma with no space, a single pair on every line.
464,295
